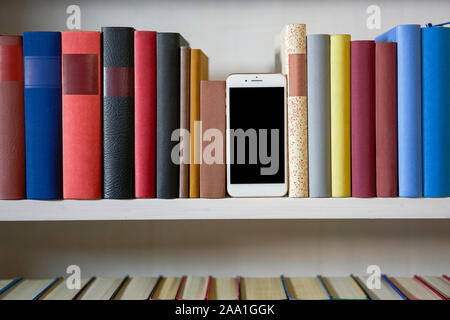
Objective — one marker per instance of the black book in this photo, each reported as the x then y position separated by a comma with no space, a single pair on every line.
167,112
118,112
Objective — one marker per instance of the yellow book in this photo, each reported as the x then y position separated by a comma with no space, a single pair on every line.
199,72
340,115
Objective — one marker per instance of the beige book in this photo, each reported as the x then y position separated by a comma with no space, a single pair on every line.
26,289
343,288
167,289
224,289
195,288
137,288
62,292
305,289
413,289
439,284
386,292
101,289
262,289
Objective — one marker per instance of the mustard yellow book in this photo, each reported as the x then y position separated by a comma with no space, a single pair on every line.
199,72
340,115
262,289
224,289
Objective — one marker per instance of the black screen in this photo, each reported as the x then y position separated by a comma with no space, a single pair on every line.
254,110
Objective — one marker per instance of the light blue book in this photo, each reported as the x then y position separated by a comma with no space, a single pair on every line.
436,111
409,69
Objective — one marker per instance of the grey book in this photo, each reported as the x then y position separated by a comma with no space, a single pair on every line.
318,81
168,68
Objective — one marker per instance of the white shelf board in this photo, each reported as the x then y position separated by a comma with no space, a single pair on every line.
213,209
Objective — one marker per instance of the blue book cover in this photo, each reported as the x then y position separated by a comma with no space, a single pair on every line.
409,61
43,126
436,111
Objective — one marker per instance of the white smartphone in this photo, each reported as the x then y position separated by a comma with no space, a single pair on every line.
256,143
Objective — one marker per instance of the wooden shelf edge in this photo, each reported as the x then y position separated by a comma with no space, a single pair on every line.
225,209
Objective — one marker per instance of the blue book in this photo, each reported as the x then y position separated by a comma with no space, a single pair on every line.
409,69
43,126
436,111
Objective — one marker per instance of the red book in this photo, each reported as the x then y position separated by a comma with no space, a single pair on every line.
145,113
81,114
363,118
12,119
386,119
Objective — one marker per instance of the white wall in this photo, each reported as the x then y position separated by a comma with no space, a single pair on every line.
238,36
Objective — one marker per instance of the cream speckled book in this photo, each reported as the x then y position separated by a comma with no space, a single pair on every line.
194,288
102,289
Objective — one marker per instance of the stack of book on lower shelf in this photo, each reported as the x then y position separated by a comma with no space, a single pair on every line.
238,288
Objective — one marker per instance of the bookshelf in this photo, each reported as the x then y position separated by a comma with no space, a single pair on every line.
248,237
226,209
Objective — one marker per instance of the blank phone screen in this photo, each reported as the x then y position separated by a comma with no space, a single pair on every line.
257,129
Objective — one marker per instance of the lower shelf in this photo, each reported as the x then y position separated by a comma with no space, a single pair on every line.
229,208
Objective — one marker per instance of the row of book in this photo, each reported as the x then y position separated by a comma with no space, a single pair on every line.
368,118
89,115
239,288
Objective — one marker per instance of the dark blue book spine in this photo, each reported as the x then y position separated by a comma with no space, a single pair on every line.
43,128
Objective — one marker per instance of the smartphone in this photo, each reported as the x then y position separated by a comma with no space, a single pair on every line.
256,143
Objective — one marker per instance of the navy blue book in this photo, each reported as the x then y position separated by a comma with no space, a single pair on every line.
43,128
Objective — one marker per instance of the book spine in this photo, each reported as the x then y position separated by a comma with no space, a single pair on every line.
185,66
295,68
386,119
436,111
363,118
167,113
409,110
12,126
145,113
81,115
118,113
319,148
199,72
43,109
212,116
340,115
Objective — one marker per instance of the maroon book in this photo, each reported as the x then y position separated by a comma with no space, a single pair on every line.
12,119
386,119
363,118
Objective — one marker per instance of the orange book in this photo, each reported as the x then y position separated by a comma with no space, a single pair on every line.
199,72
81,115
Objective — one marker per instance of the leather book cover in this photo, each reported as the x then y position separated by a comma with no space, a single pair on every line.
199,72
386,119
212,115
145,113
363,117
293,63
118,112
168,113
43,114
340,116
81,114
12,126
185,55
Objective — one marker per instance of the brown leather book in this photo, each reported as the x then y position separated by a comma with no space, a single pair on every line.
12,126
185,71
212,116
